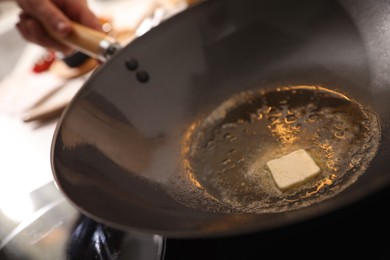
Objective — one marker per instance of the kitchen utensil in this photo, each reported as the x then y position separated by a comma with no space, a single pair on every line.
120,149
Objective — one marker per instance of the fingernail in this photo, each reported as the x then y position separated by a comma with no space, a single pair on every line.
61,27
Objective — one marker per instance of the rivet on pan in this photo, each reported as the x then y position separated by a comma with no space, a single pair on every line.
142,76
131,64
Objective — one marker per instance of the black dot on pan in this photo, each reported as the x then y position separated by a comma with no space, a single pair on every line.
142,76
131,64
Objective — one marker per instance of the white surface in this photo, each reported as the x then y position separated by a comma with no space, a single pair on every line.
25,156
8,15
292,169
24,148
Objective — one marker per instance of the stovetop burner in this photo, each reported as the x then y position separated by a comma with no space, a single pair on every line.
91,240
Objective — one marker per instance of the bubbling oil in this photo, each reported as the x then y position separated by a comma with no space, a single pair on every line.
226,153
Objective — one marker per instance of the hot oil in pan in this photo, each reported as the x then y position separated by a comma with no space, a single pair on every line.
225,155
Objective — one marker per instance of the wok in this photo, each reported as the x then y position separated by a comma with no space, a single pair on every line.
117,152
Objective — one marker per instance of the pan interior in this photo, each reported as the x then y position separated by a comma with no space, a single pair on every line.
224,155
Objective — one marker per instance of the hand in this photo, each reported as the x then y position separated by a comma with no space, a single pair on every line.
38,16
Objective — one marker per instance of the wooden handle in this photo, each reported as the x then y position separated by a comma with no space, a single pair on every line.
87,40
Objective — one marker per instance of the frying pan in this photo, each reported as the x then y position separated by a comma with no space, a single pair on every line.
117,150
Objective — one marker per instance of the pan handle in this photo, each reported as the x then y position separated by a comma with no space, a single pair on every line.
91,42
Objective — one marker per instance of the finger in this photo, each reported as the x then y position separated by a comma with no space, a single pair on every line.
48,14
32,30
21,25
24,16
79,11
21,30
89,19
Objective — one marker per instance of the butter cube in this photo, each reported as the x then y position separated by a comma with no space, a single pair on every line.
292,169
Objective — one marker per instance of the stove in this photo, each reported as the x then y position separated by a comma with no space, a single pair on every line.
55,230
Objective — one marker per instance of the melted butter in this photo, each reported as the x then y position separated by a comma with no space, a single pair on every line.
186,163
321,184
284,132
224,155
